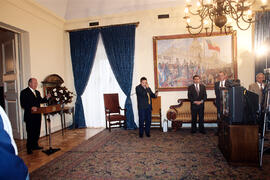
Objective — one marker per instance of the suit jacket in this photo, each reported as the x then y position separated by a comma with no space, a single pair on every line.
142,98
217,92
193,96
28,100
254,87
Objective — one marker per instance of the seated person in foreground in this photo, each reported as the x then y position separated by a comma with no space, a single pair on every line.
11,165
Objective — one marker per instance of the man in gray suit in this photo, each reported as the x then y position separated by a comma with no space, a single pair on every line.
258,86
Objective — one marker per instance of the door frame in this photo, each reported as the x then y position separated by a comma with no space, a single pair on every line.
23,67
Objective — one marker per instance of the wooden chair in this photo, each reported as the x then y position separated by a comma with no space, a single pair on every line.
114,119
156,112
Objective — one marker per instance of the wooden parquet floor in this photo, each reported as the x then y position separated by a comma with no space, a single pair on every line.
70,139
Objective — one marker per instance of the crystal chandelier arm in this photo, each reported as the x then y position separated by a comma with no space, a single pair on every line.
199,11
229,28
212,27
211,15
233,12
253,21
243,29
190,32
191,27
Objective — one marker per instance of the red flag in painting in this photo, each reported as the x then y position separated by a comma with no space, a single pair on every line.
211,46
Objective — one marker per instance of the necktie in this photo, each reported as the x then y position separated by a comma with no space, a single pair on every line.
34,92
197,89
261,87
222,84
149,102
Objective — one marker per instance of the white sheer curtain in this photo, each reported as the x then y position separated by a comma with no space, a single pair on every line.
101,81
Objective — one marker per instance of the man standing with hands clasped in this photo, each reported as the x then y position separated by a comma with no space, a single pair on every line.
30,101
218,85
144,99
197,95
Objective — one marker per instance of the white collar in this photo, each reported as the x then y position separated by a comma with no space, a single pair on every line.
259,84
32,90
222,82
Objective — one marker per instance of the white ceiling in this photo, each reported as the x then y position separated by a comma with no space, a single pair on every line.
75,9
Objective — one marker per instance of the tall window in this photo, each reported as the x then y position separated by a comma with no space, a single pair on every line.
101,81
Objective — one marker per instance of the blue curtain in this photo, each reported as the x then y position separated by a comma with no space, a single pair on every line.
262,37
83,46
119,43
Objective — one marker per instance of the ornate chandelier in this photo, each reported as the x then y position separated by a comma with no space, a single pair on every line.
210,13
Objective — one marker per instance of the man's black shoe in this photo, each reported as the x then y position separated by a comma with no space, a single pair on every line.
193,132
29,152
141,136
37,148
148,135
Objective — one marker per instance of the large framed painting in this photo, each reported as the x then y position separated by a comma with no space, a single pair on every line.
178,58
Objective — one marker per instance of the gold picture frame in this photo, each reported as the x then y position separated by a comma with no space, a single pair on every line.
178,57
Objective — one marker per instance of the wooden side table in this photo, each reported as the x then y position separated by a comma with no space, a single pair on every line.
68,110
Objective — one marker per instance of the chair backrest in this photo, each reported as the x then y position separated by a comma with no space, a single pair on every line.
209,107
156,105
111,102
185,108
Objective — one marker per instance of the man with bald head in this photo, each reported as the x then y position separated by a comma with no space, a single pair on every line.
258,86
30,100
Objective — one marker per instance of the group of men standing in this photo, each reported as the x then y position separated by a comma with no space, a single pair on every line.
31,99
197,96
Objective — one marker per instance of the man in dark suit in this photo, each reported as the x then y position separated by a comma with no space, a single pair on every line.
197,95
30,101
144,100
218,85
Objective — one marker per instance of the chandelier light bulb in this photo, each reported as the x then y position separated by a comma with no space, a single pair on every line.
208,2
198,4
249,13
264,2
186,10
188,20
188,1
205,22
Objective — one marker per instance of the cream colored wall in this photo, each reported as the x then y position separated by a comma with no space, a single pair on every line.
151,26
46,45
49,44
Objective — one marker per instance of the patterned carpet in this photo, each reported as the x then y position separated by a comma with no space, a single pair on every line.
121,154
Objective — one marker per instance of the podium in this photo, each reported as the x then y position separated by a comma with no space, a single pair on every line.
46,111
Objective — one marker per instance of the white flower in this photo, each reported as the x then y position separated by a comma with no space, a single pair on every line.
55,94
57,99
61,91
54,89
65,98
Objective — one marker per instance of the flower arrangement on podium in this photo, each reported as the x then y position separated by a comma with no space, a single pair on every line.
60,95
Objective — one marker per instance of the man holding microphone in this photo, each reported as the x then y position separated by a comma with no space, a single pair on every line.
144,99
